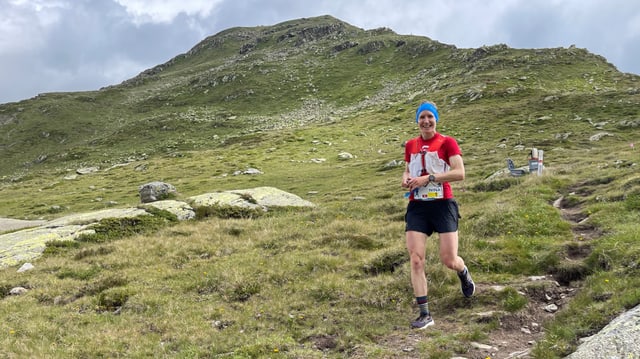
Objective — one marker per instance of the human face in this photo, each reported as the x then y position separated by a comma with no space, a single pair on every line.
427,124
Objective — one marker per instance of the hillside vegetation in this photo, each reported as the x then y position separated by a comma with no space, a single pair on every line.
332,281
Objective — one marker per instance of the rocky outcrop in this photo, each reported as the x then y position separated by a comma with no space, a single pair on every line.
619,339
28,244
181,210
259,197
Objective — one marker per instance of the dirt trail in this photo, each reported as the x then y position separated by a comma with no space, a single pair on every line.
517,332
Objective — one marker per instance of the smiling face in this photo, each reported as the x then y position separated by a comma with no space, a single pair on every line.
427,124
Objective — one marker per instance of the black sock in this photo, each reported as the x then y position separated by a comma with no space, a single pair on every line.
423,304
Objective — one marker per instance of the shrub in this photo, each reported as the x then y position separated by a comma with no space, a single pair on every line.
242,291
512,301
386,262
115,228
495,185
54,247
226,211
567,272
632,201
113,298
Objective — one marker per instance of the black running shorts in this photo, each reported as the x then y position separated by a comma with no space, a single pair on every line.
432,216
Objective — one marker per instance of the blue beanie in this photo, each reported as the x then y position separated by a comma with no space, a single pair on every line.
428,107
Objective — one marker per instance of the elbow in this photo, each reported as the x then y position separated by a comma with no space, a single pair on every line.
460,176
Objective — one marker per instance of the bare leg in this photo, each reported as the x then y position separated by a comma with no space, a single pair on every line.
449,257
416,245
449,251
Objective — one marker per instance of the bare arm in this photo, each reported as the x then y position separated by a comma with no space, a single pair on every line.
455,173
406,176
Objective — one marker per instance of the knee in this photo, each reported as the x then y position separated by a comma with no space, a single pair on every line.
450,262
417,261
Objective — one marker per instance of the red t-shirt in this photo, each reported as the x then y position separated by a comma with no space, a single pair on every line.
444,145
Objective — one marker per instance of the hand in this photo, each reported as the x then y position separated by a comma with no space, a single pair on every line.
405,183
415,182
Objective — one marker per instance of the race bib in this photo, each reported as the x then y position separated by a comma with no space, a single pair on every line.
430,192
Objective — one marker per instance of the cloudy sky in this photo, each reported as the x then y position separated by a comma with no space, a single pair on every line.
79,45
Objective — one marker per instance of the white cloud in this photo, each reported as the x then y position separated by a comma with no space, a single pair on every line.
165,11
23,24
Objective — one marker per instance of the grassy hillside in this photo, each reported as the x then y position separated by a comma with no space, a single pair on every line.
331,281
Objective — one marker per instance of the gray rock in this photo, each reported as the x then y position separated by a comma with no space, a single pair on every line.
25,267
393,164
483,346
598,136
18,291
260,197
252,171
155,191
87,170
10,224
28,244
619,339
182,210
248,171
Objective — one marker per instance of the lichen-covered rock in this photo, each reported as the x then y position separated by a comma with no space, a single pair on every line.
619,339
222,199
28,244
273,197
10,224
182,210
259,197
96,216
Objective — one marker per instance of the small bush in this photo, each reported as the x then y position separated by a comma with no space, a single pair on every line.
92,252
161,213
632,201
495,185
81,274
512,301
567,272
225,212
113,298
54,247
5,288
103,284
116,228
324,292
386,262
242,291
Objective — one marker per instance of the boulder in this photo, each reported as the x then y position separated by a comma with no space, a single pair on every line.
27,244
619,339
182,210
155,191
259,197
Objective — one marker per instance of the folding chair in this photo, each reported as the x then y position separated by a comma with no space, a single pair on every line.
515,172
